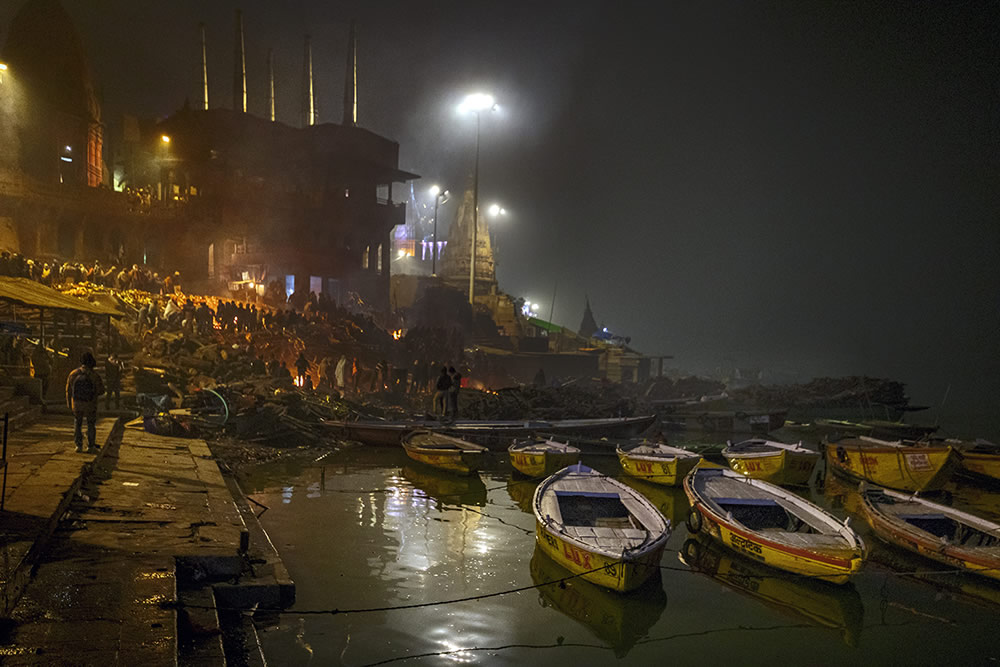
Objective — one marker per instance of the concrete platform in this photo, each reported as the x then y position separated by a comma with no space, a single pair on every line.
149,516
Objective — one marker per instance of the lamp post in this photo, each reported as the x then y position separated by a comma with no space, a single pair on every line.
476,103
439,198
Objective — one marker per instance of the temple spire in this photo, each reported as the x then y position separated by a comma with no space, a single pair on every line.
351,79
588,326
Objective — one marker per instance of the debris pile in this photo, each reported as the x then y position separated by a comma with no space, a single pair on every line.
577,401
843,392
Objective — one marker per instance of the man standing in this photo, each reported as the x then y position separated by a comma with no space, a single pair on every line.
456,385
83,386
441,392
113,374
41,368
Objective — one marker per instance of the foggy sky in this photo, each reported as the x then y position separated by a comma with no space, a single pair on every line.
809,187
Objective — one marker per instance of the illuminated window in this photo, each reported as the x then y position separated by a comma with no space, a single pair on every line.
378,259
364,257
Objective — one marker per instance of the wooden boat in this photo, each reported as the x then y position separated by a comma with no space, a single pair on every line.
497,435
875,428
541,458
939,532
771,461
835,607
657,462
444,452
619,620
900,465
599,528
981,460
771,525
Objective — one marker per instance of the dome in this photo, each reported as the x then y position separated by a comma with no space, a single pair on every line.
45,53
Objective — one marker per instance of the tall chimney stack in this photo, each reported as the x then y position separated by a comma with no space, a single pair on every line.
270,84
351,79
240,68
204,70
308,99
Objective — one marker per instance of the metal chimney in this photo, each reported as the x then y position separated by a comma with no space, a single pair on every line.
240,68
351,79
309,99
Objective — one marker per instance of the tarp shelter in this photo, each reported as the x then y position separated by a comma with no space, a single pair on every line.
47,313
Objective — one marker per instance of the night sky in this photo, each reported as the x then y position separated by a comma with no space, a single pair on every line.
807,187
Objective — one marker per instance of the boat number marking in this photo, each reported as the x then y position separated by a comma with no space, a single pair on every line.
917,461
551,541
609,569
746,546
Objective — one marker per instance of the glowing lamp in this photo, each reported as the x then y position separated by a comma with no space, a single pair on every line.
477,102
435,190
165,138
3,67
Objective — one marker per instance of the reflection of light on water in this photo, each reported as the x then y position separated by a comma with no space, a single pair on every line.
286,494
459,655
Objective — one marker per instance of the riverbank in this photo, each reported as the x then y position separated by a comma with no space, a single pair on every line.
124,557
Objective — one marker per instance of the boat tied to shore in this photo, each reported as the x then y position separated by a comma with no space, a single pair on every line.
771,461
657,462
773,526
444,452
933,530
901,465
496,435
598,528
537,457
981,460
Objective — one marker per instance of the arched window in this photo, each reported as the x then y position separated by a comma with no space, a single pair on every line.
364,257
378,259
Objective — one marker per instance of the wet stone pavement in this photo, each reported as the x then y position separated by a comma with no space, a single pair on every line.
104,588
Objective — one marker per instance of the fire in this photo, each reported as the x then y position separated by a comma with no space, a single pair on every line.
397,334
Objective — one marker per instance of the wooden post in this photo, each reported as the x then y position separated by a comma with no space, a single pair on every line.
41,326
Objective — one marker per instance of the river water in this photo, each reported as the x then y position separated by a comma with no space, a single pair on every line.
365,531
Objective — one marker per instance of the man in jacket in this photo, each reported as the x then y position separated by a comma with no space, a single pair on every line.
83,386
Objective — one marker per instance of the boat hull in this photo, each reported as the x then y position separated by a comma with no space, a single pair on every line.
542,464
614,573
981,465
656,470
953,556
902,468
463,463
782,468
835,567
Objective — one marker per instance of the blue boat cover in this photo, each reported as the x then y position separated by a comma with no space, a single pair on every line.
585,494
756,502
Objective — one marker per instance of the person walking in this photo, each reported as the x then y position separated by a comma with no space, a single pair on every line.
440,403
83,386
113,375
301,366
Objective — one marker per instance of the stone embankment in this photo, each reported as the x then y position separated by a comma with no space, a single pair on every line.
124,557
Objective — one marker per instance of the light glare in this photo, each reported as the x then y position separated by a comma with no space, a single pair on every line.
435,191
165,139
476,102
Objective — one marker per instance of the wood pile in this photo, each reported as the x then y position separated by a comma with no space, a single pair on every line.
585,401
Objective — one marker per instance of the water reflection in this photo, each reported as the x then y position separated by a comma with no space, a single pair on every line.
620,620
820,603
522,492
445,488
671,501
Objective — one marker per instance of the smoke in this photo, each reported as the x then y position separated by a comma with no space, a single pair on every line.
11,120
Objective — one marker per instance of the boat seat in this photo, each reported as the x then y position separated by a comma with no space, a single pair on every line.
938,525
755,513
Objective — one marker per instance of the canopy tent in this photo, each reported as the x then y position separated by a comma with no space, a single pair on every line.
26,292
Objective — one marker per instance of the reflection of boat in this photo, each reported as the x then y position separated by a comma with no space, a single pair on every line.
936,531
541,458
522,492
671,501
445,487
771,461
771,525
695,417
657,462
444,452
494,434
599,528
618,620
896,465
837,607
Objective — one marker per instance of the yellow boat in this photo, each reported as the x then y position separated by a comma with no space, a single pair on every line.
772,526
939,532
599,528
446,487
444,452
981,460
541,458
771,461
900,465
835,607
657,462
619,620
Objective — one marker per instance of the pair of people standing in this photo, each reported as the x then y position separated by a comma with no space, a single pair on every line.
449,383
